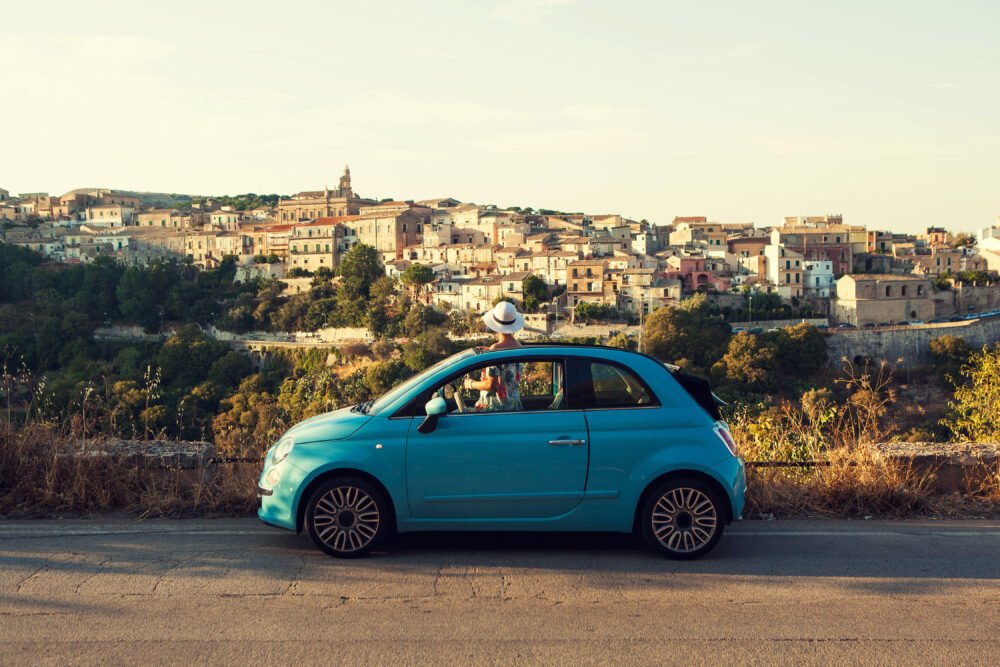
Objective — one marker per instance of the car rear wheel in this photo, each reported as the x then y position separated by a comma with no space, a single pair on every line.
347,517
682,519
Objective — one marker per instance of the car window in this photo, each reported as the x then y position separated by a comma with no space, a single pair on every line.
403,388
617,387
511,386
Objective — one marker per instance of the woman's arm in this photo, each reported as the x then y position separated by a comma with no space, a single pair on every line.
489,384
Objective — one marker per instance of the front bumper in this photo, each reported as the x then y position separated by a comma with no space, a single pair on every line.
276,505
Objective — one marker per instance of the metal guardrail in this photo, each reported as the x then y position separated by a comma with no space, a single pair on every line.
749,464
786,464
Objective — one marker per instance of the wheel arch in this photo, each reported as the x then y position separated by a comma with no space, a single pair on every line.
300,510
712,482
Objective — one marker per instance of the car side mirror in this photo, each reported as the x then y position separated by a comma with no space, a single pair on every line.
434,408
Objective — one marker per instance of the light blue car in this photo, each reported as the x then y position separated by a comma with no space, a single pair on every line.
599,439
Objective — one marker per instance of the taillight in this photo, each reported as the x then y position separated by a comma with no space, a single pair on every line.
726,438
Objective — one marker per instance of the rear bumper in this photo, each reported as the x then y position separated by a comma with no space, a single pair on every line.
733,471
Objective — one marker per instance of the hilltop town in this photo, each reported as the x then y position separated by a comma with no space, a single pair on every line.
601,265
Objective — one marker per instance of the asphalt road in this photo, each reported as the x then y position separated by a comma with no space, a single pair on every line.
227,591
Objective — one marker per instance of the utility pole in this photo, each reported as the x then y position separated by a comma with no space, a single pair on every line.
642,319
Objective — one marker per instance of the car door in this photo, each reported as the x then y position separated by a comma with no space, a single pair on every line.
528,463
626,421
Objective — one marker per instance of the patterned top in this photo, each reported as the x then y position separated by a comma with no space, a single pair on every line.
507,397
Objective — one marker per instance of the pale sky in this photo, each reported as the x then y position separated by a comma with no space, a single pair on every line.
885,111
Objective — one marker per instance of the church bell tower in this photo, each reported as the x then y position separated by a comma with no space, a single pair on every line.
345,183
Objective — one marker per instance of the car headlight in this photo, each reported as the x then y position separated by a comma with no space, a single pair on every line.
283,449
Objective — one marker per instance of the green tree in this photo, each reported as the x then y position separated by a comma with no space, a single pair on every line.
800,350
535,292
187,355
949,353
623,341
749,361
975,409
230,370
688,335
249,421
427,349
360,267
416,276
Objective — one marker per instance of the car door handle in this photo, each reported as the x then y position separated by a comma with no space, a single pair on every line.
566,442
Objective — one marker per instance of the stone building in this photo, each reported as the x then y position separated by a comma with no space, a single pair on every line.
315,245
323,203
390,232
166,218
882,298
831,242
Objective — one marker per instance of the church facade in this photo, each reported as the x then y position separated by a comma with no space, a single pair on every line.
324,203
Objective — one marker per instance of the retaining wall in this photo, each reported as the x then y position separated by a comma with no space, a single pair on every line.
911,344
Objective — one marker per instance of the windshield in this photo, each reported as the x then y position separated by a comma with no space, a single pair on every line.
402,389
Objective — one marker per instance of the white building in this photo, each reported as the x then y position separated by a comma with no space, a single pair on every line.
817,277
109,215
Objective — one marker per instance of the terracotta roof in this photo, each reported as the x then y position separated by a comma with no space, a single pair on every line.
330,221
826,229
885,277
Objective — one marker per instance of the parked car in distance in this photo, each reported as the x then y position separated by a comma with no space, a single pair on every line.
916,322
822,327
846,326
602,440
955,318
884,324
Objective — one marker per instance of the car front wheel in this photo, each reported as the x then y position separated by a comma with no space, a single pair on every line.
347,517
682,519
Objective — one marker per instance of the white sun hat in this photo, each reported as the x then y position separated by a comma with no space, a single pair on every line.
504,318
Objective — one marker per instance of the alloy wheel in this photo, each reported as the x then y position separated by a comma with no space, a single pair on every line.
346,519
684,520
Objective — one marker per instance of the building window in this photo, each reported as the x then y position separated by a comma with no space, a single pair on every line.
888,290
902,290
920,290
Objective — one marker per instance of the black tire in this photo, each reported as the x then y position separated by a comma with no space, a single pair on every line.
347,517
682,518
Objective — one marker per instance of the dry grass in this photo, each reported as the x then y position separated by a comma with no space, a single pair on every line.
860,482
852,477
45,472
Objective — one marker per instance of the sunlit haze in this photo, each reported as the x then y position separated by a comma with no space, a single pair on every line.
886,112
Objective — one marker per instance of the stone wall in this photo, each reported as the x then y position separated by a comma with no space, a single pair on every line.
770,324
959,300
911,344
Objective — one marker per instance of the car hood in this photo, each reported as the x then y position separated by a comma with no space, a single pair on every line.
336,425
